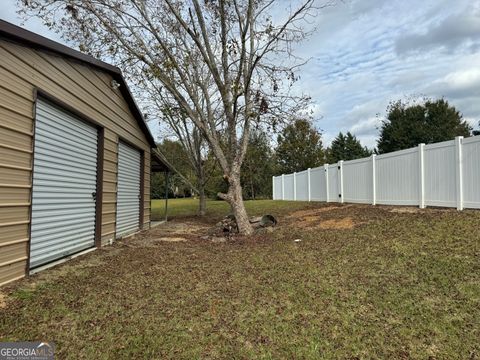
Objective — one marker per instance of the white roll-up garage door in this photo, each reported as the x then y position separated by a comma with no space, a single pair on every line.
128,190
64,185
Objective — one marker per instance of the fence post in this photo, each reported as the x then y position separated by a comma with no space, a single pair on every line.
459,171
340,180
326,181
283,186
421,174
374,181
273,188
309,185
294,186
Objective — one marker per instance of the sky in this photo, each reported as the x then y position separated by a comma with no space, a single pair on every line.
366,53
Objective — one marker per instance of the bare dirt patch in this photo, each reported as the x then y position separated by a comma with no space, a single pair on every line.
191,228
170,239
328,224
405,210
314,212
323,218
168,232
3,301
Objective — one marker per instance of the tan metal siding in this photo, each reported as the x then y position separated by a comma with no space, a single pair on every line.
109,177
14,176
14,271
13,157
14,138
11,233
86,89
61,86
110,166
110,145
14,194
13,252
14,120
10,214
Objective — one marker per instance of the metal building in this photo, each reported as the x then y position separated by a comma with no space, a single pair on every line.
75,154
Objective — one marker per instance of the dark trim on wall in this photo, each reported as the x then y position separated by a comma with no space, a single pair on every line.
116,190
99,190
55,100
142,188
129,143
34,123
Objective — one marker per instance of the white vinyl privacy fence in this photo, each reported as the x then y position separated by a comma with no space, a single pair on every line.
441,174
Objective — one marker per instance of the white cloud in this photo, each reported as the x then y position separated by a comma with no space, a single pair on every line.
369,52
452,32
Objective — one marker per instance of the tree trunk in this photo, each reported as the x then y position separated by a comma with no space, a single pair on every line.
202,206
235,199
201,181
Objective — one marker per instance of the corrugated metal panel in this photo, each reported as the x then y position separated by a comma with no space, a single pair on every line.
10,214
440,182
318,184
13,233
15,195
12,272
14,156
128,193
64,179
357,181
13,251
301,183
14,119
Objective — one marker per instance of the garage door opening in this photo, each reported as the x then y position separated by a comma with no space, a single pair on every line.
128,190
64,185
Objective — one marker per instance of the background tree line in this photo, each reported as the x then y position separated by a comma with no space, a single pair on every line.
218,76
299,146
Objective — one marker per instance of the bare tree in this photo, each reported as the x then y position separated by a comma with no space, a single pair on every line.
162,107
245,52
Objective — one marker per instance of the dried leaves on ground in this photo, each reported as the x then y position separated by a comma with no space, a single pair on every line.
382,284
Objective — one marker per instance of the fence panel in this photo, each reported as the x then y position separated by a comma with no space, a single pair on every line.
318,185
288,187
440,174
277,188
439,170
471,172
333,190
397,178
302,185
358,181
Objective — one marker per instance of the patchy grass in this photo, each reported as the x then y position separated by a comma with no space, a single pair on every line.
390,285
181,208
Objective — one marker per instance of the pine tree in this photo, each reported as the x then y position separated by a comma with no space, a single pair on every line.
346,147
299,147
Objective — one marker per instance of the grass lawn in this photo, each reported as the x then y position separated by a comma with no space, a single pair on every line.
364,282
180,208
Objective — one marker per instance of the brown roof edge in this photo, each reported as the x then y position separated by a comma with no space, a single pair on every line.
158,164
31,39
